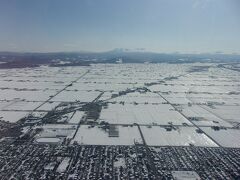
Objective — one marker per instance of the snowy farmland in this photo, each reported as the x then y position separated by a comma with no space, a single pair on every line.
162,114
225,137
87,135
202,117
76,118
55,133
181,136
12,116
83,96
139,98
75,103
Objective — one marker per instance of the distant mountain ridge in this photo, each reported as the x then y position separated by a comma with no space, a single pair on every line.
138,55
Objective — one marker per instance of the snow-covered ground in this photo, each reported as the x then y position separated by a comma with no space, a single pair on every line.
141,98
56,130
228,113
204,117
71,96
20,105
12,116
212,95
88,135
182,136
49,106
78,115
225,137
162,114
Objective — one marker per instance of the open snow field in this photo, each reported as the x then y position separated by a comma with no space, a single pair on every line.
71,96
182,136
225,137
162,114
140,98
56,131
76,118
19,105
228,113
97,136
49,106
12,116
204,117
146,94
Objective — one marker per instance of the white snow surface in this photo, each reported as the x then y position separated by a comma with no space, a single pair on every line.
78,115
225,137
161,114
183,136
96,136
12,116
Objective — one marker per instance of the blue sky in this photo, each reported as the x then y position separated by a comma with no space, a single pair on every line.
186,26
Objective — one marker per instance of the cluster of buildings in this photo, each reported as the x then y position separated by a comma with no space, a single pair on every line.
20,160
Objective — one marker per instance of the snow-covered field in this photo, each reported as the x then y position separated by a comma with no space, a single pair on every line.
88,135
71,96
12,116
212,96
162,114
49,106
78,115
19,105
204,117
56,131
225,137
182,136
228,113
140,98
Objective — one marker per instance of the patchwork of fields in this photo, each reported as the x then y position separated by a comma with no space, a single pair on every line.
124,104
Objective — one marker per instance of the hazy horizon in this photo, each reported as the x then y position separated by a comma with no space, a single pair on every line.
191,26
115,50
